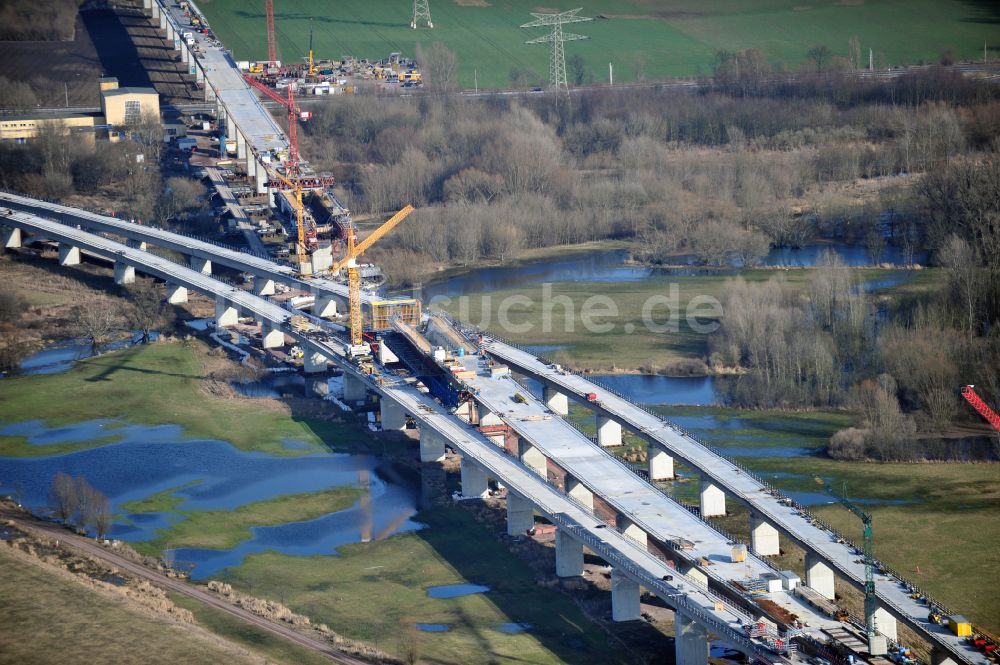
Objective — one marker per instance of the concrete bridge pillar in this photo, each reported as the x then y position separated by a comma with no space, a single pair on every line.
431,445
488,418
385,355
325,307
176,294
661,464
629,528
241,146
532,457
819,576
624,598
136,244
204,266
124,273
69,255
162,15
155,11
520,515
185,54
271,337
171,35
261,178
690,641
199,75
556,401
569,555
695,574
314,362
941,657
147,5
474,481
391,415
11,238
355,389
885,623
225,314
263,286
579,491
711,499
609,431
764,540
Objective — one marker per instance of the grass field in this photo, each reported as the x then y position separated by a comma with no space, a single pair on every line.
121,385
392,576
47,619
223,529
628,343
678,39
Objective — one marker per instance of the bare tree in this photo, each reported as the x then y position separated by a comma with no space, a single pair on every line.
959,259
147,310
62,496
101,517
440,67
97,322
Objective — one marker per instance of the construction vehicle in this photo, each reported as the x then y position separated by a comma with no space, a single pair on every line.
977,403
355,249
876,643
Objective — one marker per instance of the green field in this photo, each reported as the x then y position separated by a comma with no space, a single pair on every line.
678,39
153,384
54,620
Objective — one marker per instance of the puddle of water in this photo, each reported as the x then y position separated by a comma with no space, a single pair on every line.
766,451
214,475
59,357
663,390
36,433
542,349
514,628
292,444
432,627
199,324
456,590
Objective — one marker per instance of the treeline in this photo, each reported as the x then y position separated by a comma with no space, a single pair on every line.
901,369
30,20
718,175
74,501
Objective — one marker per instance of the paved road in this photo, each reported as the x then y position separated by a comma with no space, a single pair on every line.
91,548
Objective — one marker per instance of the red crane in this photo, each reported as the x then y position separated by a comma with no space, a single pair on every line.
272,44
979,405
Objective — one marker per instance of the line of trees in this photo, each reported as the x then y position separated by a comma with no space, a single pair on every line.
29,20
77,503
715,173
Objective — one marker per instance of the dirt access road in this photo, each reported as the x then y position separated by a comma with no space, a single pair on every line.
91,548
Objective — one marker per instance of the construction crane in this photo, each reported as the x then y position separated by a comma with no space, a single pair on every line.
871,604
307,240
350,261
969,393
312,69
272,44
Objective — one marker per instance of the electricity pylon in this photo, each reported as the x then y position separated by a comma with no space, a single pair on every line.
555,39
421,11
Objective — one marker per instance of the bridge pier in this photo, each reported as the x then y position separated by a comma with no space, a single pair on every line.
204,266
580,492
819,576
690,641
270,336
355,389
520,515
661,464
176,294
941,657
431,445
11,238
764,540
391,415
263,286
885,624
261,178
609,432
124,273
475,484
171,35
325,307
314,362
629,528
225,314
624,598
569,555
532,457
711,499
136,244
241,145
69,255
557,402
695,574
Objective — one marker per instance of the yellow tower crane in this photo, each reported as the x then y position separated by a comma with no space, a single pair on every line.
350,261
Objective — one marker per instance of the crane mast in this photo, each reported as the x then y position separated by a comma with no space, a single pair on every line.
272,45
977,403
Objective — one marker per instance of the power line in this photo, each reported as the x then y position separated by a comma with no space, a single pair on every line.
555,40
421,11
